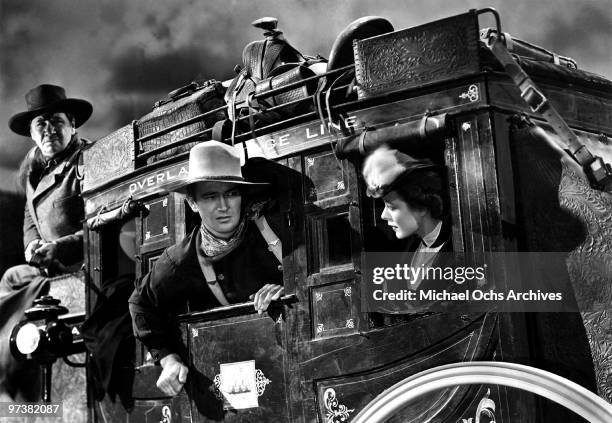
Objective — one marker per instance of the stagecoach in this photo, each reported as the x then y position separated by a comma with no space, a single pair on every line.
440,90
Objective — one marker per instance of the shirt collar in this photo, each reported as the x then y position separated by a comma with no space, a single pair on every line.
431,237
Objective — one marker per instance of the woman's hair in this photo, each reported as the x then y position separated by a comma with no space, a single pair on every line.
423,189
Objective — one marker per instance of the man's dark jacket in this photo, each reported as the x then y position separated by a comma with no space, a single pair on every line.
176,285
54,207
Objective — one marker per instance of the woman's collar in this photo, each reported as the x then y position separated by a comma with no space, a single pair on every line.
432,236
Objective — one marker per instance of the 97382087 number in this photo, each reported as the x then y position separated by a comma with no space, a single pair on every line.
13,409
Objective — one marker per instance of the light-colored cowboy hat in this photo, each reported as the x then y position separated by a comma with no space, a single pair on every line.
48,98
213,161
385,167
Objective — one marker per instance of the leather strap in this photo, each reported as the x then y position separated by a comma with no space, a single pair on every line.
232,107
318,102
217,131
251,118
362,140
211,277
595,167
274,243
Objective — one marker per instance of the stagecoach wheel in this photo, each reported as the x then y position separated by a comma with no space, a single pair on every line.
553,387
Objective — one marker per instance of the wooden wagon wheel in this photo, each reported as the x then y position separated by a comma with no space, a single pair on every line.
556,388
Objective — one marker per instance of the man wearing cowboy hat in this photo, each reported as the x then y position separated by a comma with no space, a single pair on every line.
52,229
233,256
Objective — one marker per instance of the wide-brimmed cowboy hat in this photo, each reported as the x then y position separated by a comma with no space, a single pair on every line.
48,98
384,168
213,161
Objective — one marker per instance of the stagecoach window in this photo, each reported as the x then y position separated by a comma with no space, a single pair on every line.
327,176
118,249
330,241
155,226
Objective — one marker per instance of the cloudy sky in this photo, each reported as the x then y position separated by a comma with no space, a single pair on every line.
125,55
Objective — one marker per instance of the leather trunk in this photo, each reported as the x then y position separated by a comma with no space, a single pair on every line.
181,105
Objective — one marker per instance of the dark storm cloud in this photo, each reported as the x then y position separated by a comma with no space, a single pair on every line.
125,110
167,54
161,31
13,37
124,55
136,71
12,152
585,32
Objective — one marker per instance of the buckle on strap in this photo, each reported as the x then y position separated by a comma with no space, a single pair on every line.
534,98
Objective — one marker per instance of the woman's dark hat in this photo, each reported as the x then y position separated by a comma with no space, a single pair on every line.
49,99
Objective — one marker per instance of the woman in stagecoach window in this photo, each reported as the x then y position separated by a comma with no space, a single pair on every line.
415,198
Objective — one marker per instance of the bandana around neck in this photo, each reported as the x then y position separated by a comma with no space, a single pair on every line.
216,248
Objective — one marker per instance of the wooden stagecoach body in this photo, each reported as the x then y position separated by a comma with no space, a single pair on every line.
323,359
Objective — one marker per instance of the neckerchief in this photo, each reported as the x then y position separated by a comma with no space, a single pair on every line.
216,248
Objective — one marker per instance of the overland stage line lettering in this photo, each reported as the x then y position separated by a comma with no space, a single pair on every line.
159,178
272,145
303,134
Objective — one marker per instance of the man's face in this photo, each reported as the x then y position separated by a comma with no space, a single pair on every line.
218,204
51,132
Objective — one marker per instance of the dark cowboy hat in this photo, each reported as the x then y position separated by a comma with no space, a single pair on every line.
49,99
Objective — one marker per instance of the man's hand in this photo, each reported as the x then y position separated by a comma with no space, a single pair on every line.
46,253
268,293
31,248
174,375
